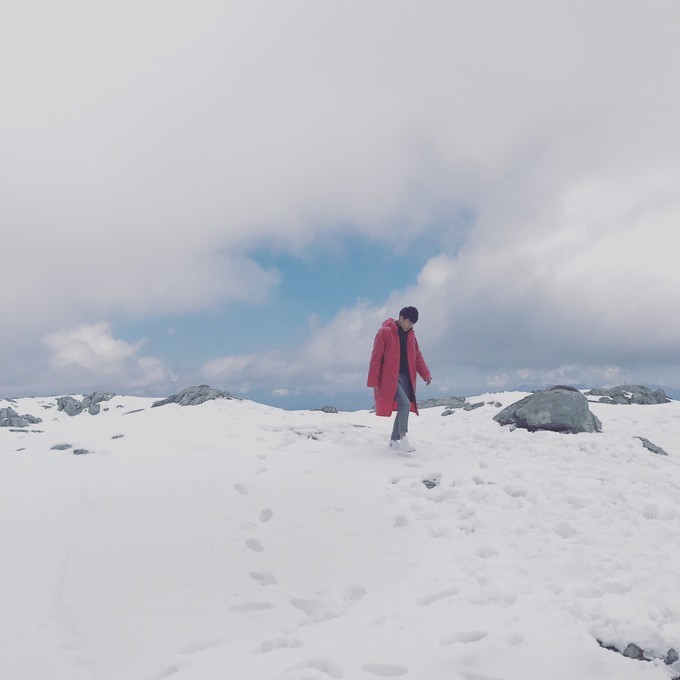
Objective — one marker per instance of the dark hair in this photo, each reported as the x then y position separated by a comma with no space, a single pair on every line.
410,313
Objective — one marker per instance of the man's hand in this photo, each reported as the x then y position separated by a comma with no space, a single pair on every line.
428,381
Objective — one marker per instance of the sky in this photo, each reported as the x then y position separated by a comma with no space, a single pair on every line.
239,193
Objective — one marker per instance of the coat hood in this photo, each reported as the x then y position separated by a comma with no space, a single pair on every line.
392,323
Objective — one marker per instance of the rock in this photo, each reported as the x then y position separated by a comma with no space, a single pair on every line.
465,405
14,429
431,482
80,452
632,651
561,408
117,436
629,394
326,409
192,396
90,402
61,447
451,402
671,657
10,418
71,406
652,447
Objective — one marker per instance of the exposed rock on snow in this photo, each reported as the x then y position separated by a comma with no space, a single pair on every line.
561,408
451,402
629,394
326,409
652,447
10,418
61,447
466,407
192,396
90,402
632,651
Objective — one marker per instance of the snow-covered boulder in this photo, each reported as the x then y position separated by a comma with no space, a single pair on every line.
560,409
10,418
629,394
90,403
192,396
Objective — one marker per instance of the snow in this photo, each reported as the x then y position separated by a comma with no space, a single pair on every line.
236,540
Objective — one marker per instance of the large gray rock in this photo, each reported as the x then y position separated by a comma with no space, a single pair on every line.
559,409
10,418
90,403
71,406
192,396
629,394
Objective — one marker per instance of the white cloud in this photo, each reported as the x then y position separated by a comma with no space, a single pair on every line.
92,356
136,179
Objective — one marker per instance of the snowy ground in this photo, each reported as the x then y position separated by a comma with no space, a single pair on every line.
241,542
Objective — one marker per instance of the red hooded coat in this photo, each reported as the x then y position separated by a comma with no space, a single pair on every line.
383,371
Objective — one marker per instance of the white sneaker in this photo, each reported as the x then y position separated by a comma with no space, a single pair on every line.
406,446
402,445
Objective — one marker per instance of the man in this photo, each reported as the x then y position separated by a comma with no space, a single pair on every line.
395,361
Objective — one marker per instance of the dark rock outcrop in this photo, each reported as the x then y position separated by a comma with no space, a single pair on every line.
450,402
90,403
561,408
629,394
652,447
326,409
10,418
192,396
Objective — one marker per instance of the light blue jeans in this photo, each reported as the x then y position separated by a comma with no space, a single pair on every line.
403,407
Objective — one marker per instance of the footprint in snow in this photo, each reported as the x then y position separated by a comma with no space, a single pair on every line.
354,593
324,665
266,515
265,578
254,544
241,488
435,597
252,607
385,670
316,610
465,637
277,643
200,646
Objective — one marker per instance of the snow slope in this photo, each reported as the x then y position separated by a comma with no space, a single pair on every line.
236,541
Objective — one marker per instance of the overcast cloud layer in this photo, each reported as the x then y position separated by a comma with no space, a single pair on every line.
146,151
